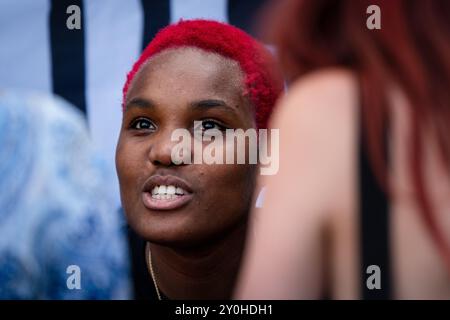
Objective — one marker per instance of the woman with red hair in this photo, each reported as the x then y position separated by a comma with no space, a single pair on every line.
192,217
360,207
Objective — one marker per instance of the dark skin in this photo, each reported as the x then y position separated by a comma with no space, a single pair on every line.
196,249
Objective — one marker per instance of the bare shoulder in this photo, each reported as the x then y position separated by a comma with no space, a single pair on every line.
320,106
328,77
318,116
327,94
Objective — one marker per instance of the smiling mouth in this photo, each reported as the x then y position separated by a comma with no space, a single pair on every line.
166,193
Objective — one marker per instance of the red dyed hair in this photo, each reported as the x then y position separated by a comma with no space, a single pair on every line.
412,48
262,82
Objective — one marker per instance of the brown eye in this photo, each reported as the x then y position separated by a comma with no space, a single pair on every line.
211,124
142,124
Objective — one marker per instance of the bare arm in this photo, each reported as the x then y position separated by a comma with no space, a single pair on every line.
284,257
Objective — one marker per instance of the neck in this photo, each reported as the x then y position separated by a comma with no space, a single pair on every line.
201,272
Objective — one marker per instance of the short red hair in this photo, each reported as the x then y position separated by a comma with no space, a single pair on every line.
263,83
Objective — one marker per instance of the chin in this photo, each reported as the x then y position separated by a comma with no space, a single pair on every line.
174,241
166,234
179,238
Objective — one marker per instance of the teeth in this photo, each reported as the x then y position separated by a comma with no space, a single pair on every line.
165,196
171,190
162,189
167,192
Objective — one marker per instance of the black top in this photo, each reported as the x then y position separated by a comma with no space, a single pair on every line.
374,223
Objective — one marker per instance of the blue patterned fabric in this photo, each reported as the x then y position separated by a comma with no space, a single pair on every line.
57,206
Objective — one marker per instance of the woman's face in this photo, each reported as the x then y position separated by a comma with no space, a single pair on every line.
172,90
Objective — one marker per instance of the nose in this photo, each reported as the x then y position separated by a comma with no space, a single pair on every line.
160,152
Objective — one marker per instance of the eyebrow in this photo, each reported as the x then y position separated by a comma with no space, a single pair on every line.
201,105
139,103
209,104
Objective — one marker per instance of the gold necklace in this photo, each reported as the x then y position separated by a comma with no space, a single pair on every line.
148,255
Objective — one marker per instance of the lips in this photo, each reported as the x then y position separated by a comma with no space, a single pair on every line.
166,193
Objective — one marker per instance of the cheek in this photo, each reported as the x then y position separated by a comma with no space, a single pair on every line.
230,184
121,155
127,164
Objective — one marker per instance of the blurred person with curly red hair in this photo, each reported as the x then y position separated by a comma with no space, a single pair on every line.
192,216
360,206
